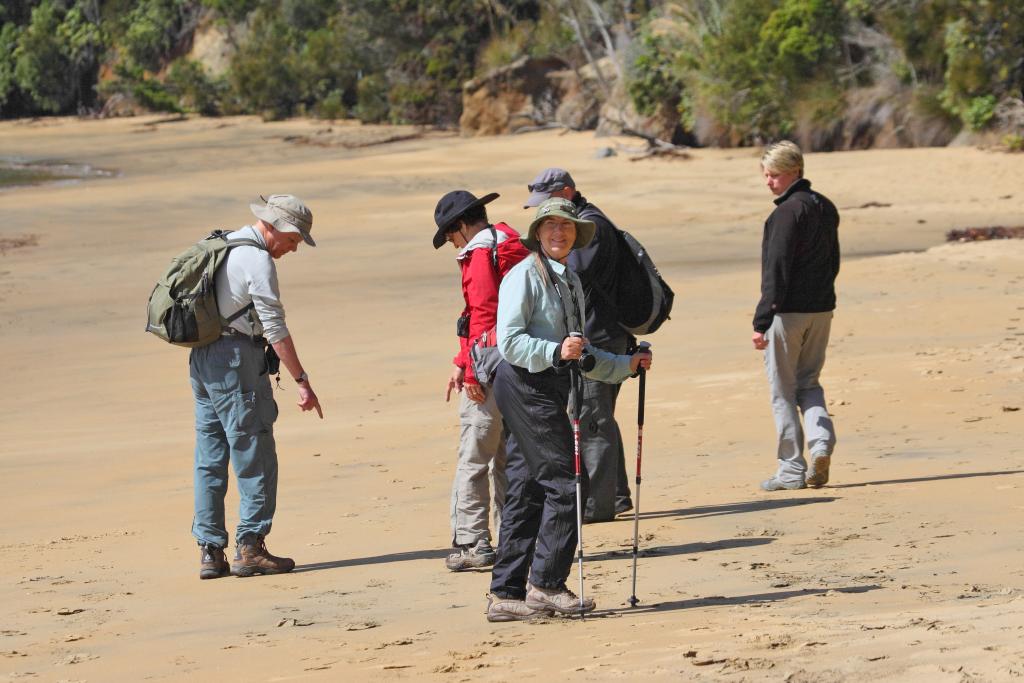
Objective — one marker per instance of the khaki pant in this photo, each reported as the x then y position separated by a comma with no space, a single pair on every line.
481,453
794,359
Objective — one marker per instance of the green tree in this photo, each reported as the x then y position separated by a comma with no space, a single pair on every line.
984,65
266,74
8,42
151,29
57,55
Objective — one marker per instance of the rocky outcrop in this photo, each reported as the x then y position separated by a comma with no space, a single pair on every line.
531,92
215,43
521,94
879,117
536,92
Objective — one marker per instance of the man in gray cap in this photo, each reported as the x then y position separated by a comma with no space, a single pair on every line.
597,265
234,403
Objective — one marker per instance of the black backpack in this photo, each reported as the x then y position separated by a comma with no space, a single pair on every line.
643,299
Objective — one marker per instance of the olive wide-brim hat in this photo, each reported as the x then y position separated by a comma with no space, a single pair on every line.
451,207
561,208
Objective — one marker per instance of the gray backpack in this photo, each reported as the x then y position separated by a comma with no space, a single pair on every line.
644,300
182,307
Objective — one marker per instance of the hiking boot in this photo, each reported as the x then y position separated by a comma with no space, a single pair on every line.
817,474
774,484
212,563
252,558
560,600
471,556
510,609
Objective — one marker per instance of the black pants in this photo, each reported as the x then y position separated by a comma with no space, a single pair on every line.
604,461
538,523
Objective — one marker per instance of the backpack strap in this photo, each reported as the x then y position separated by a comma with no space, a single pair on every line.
231,244
238,314
561,299
244,242
494,251
587,213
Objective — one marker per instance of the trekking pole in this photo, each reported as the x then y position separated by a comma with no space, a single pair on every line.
576,378
644,346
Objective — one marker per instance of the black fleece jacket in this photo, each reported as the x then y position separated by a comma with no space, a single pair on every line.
597,264
799,255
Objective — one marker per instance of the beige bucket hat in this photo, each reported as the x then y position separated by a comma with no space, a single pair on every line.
286,213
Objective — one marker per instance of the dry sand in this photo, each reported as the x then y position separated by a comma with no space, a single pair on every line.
908,566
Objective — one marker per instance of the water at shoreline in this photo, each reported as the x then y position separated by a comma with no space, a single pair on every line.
17,173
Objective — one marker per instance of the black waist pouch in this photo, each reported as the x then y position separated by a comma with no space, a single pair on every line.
273,361
462,326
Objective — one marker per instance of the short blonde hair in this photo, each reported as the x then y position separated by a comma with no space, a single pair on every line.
783,156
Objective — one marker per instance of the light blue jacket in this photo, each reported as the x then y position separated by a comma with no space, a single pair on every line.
531,324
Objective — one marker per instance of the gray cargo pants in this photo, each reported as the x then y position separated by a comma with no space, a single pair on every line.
481,451
793,360
605,480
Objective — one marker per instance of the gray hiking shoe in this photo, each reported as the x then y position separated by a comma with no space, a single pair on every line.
509,609
774,484
560,600
817,474
474,556
212,563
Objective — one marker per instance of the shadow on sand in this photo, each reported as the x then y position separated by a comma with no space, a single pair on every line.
682,549
376,559
714,600
733,508
938,477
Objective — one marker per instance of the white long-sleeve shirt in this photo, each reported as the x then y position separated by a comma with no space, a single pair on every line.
248,274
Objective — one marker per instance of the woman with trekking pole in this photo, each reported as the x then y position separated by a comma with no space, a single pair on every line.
540,317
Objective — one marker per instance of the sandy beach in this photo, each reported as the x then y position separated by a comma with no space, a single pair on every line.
908,566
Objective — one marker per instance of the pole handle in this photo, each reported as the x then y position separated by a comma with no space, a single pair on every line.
642,348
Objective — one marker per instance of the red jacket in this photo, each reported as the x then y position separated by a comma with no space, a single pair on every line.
480,285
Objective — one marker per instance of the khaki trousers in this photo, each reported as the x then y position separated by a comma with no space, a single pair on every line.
481,466
793,360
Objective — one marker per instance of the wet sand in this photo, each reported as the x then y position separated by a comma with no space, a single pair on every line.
907,566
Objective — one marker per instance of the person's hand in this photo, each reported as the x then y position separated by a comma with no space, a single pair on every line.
572,347
760,343
454,382
475,392
308,399
640,359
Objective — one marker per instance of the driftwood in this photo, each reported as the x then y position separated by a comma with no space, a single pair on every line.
982,234
656,147
545,125
322,139
10,243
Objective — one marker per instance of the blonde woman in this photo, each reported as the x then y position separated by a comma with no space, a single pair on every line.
799,264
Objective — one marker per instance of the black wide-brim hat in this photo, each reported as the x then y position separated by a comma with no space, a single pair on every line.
451,207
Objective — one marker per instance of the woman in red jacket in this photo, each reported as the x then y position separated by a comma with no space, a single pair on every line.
485,253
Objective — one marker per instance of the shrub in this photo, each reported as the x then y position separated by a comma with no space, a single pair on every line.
195,91
331,106
372,99
979,112
1013,142
265,76
653,77
983,62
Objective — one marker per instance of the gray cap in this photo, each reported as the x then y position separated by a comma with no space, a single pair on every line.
286,213
547,181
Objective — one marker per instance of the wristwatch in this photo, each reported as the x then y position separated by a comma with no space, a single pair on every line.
302,378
